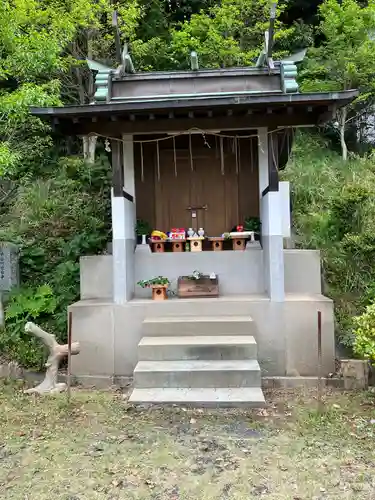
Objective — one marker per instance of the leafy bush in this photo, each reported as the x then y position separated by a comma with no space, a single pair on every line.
333,209
54,221
364,334
28,304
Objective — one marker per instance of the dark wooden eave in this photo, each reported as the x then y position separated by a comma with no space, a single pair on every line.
179,114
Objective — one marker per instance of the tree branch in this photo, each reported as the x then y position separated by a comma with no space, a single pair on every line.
56,353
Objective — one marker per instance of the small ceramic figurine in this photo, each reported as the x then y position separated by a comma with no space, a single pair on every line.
190,232
212,276
201,232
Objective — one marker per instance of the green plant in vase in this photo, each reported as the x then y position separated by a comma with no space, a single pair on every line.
252,224
143,227
157,281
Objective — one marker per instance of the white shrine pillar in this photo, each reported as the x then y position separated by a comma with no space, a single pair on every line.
271,216
123,219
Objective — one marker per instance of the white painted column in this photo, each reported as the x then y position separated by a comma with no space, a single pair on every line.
118,248
128,154
284,188
271,219
123,230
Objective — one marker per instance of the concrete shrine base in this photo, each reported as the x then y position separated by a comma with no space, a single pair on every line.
286,333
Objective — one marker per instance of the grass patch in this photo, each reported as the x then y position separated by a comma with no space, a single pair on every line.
100,447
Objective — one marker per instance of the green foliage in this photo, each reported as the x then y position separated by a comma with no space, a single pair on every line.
228,33
142,227
334,210
364,334
345,58
25,144
55,221
28,304
158,280
252,224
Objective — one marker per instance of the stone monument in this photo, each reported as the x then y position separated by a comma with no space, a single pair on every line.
9,272
9,266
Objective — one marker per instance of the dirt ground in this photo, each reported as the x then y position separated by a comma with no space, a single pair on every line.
99,447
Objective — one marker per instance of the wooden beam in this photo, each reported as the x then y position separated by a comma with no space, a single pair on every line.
247,121
117,168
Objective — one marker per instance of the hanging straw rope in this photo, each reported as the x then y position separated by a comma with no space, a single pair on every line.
158,160
174,156
194,129
239,157
236,152
191,154
142,165
251,155
222,156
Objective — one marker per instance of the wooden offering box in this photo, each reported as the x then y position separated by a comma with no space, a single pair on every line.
239,243
178,245
158,246
203,287
196,244
217,243
159,292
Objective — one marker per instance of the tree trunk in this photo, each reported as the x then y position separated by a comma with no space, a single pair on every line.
86,90
56,353
342,126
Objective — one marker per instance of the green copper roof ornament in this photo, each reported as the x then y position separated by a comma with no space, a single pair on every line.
289,77
101,79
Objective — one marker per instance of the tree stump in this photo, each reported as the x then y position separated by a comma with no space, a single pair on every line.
56,353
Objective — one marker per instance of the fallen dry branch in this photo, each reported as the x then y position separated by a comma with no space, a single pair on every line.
56,353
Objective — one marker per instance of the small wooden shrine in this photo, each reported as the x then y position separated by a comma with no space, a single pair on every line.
199,150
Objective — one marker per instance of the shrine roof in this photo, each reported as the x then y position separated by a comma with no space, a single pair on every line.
188,101
270,95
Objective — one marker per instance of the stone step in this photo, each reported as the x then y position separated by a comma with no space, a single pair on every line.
195,374
225,347
245,397
198,325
